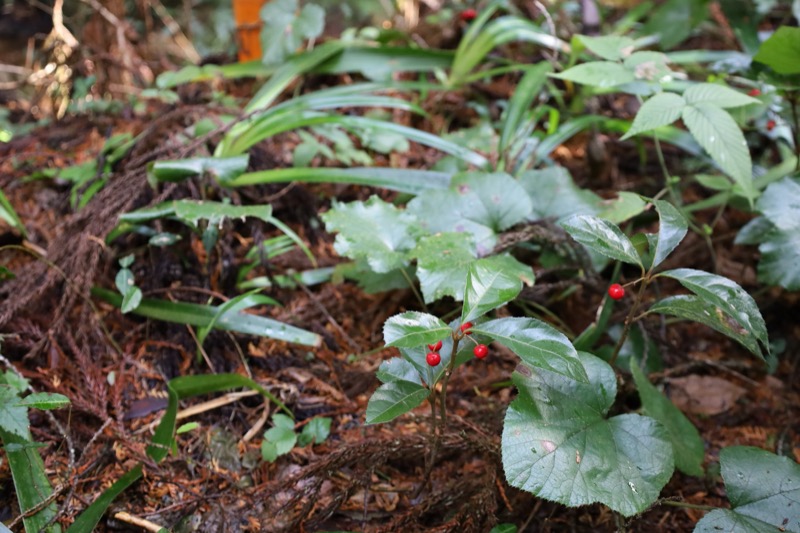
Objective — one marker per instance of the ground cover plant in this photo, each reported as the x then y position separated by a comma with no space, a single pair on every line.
479,266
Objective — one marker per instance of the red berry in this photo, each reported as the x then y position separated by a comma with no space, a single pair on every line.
616,291
481,351
433,358
754,93
468,15
771,125
465,327
435,347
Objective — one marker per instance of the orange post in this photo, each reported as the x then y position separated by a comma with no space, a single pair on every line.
246,13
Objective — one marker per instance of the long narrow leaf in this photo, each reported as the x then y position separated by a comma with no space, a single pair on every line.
89,518
526,92
402,180
202,315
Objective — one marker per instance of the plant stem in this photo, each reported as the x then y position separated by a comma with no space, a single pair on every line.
450,367
630,319
688,505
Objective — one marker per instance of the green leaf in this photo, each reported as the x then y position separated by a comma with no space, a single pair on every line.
602,237
375,231
553,193
624,207
44,400
442,264
525,93
781,52
686,441
695,308
729,297
538,344
674,20
492,282
609,47
131,300
780,203
660,110
763,489
504,528
671,230
232,307
398,369
720,136
780,259
315,431
558,444
124,281
89,518
203,315
13,416
279,439
718,95
601,74
393,399
412,328
10,216
284,29
222,169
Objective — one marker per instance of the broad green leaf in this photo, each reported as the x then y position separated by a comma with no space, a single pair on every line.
674,20
686,441
780,203
728,296
222,169
602,237
718,95
624,207
492,282
393,399
553,193
10,216
558,445
721,137
609,47
13,416
412,328
763,489
442,263
315,431
398,369
780,259
285,28
279,439
373,282
601,74
781,52
648,66
660,110
375,231
691,307
538,345
202,315
44,400
671,230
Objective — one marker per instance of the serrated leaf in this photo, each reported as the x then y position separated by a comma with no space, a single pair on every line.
728,296
691,307
781,51
660,110
780,259
13,417
763,489
671,230
602,237
610,47
686,441
780,203
718,95
492,282
553,193
374,231
558,444
538,344
442,263
716,131
397,369
601,74
412,328
315,432
279,439
393,399
44,400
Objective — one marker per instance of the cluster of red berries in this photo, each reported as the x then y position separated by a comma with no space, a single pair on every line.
433,358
